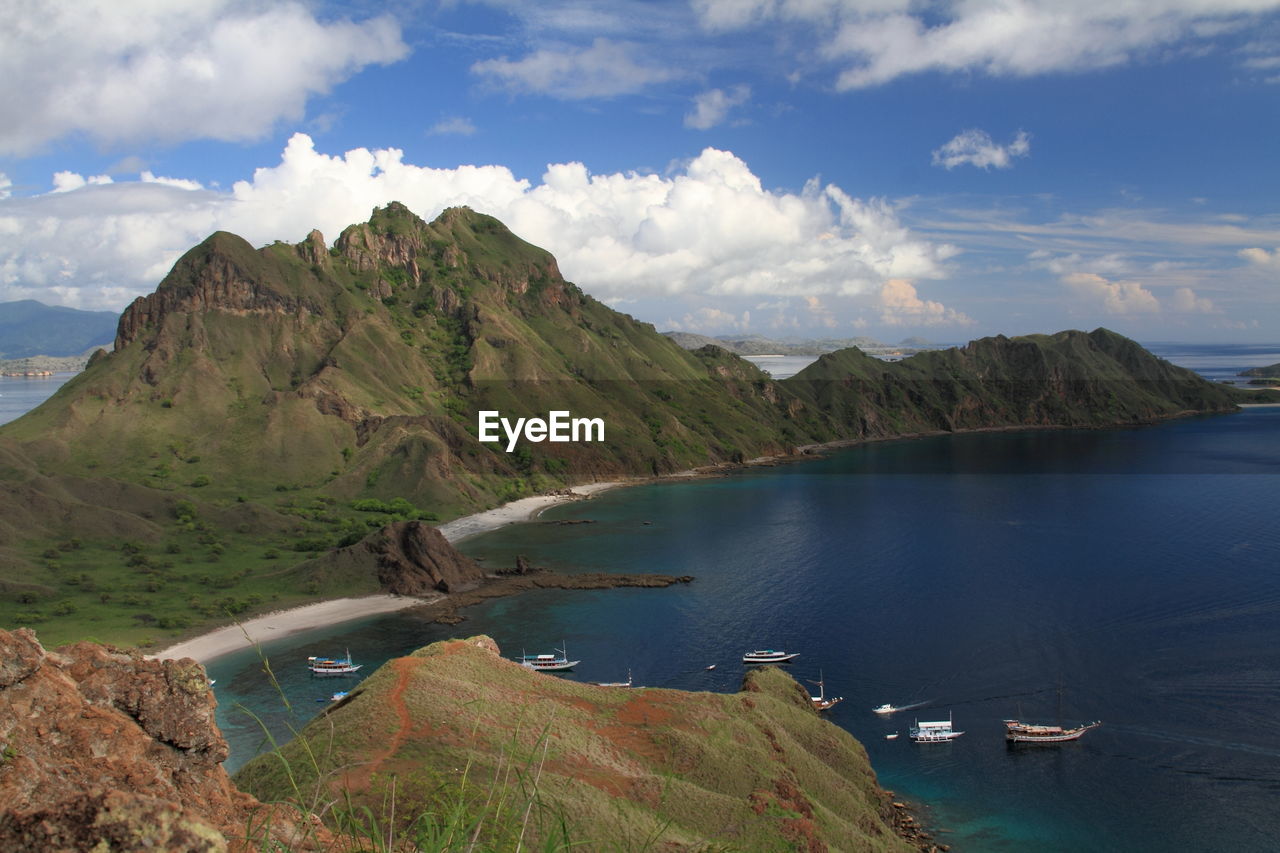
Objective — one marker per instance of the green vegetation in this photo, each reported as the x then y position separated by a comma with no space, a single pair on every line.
452,740
265,405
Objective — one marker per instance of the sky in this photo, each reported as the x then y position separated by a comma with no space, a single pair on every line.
787,168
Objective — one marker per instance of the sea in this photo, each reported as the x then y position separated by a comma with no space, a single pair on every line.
1129,575
21,394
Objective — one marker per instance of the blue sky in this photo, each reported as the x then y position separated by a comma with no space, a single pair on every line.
789,168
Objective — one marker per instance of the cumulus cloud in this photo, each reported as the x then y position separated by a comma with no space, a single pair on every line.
1185,301
453,126
605,69
901,305
120,70
1115,297
708,229
976,148
1262,258
6,186
876,41
708,319
712,107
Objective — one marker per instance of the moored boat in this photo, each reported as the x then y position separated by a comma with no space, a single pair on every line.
332,666
933,732
549,663
626,683
822,702
1016,731
768,656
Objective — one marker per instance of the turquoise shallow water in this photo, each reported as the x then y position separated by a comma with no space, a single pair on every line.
1138,567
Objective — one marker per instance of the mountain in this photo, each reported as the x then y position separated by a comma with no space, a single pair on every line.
454,729
1071,378
1269,372
29,328
267,416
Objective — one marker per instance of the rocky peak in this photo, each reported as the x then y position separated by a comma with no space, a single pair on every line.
101,749
224,273
313,250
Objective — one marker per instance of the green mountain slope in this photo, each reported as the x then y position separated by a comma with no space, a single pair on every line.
453,729
29,328
1068,379
264,406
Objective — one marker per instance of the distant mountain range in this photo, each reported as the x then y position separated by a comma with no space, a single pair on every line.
29,328
760,345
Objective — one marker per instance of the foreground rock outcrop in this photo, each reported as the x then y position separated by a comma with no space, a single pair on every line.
103,750
515,754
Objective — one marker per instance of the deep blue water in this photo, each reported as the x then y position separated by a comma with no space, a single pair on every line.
1136,567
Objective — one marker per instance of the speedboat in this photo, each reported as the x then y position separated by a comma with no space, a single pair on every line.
886,708
768,656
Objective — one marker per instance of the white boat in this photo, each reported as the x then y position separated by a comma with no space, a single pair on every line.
1016,731
886,708
893,736
768,656
933,732
549,663
330,666
339,696
626,683
821,702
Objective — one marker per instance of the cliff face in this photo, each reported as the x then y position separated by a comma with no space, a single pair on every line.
455,726
98,746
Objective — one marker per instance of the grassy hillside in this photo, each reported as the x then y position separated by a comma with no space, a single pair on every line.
454,732
264,406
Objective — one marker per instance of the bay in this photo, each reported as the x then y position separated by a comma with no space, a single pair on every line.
974,573
21,394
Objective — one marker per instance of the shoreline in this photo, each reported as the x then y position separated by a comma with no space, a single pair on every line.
230,638
226,639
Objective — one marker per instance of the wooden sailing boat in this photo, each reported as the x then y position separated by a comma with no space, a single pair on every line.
821,702
1017,731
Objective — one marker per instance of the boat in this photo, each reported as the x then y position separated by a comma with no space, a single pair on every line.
886,708
626,683
1016,731
330,666
768,656
339,696
933,732
549,663
893,736
821,702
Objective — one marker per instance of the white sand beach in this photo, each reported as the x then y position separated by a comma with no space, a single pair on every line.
232,638
270,626
522,510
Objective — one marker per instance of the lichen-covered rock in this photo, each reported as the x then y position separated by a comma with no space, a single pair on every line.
103,749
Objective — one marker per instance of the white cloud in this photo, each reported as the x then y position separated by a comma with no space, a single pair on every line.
901,305
708,320
874,41
6,186
603,70
120,70
976,148
1115,297
712,107
455,125
1185,301
707,229
1262,258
